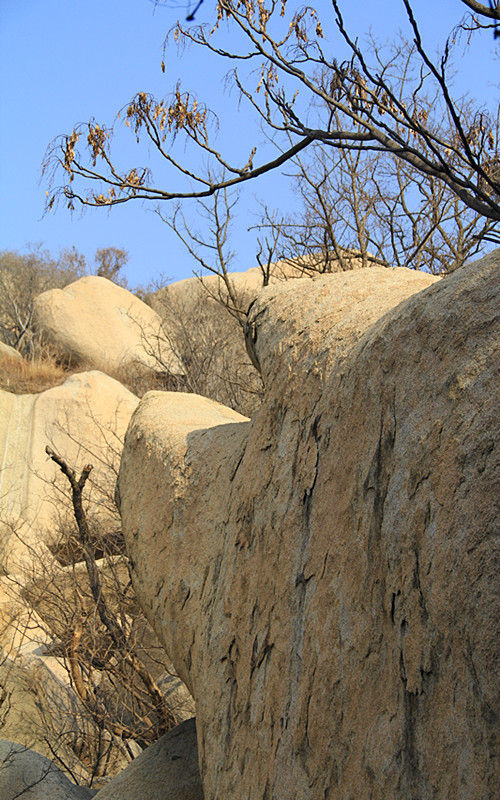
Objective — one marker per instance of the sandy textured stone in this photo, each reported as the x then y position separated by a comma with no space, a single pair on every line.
97,323
84,420
324,577
167,770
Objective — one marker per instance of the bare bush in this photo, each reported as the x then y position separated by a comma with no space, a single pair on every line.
72,604
23,376
111,642
109,263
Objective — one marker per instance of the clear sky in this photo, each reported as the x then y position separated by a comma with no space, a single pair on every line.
62,63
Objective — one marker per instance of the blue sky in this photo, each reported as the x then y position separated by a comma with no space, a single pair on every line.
61,63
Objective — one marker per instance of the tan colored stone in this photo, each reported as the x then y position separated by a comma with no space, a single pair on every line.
99,324
83,420
204,326
323,577
246,285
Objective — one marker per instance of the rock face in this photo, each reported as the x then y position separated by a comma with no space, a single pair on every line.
211,290
46,596
97,323
84,420
324,576
166,769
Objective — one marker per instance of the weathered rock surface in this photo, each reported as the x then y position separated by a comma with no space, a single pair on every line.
210,291
166,769
203,322
176,696
84,420
25,773
324,576
99,324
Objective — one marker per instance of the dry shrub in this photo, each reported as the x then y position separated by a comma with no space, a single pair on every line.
22,376
89,612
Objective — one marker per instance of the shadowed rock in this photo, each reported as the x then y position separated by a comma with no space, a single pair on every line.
166,769
84,419
27,774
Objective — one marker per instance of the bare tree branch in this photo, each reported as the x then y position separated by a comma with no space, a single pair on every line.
492,11
291,57
107,618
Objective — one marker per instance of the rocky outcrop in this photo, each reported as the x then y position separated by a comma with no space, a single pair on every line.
166,769
245,285
324,577
98,324
84,420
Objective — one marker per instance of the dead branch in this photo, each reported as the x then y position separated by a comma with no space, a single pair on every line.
121,645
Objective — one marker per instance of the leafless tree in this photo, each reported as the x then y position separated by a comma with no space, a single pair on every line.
372,208
287,47
210,250
109,263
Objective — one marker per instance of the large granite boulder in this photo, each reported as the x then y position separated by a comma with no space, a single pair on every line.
209,287
98,324
166,769
204,320
324,577
84,420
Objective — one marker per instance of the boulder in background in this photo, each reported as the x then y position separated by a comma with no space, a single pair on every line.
98,324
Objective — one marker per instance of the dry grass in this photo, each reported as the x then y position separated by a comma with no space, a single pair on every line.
21,376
